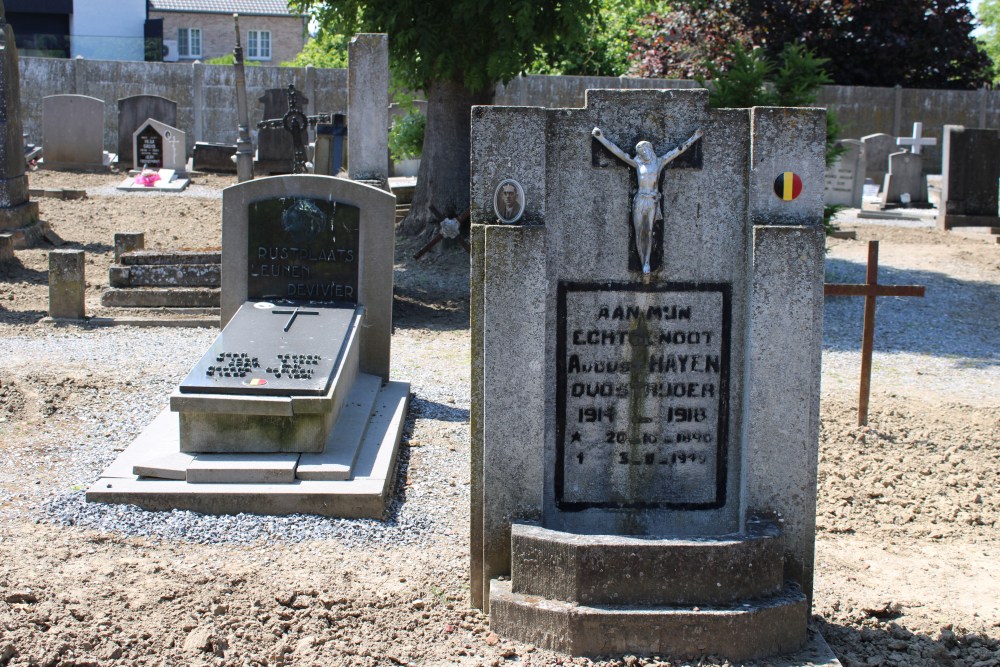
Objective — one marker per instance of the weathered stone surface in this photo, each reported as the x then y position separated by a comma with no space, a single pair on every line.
66,284
166,275
970,172
368,108
242,469
13,182
128,242
740,633
274,145
337,459
905,177
139,257
161,297
588,569
845,178
877,148
214,157
6,247
73,132
134,111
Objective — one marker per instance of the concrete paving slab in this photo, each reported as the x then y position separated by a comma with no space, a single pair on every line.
158,439
170,466
344,443
242,468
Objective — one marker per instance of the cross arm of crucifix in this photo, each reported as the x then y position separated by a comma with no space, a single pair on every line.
598,134
672,155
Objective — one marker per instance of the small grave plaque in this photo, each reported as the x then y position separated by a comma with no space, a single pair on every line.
303,249
149,148
274,350
642,395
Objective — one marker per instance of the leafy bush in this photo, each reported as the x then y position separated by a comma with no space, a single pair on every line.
230,59
406,138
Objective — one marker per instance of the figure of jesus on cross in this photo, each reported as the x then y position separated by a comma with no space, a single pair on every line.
646,203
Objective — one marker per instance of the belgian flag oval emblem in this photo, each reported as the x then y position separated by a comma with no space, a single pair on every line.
788,186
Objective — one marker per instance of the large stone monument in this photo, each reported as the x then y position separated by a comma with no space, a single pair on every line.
291,409
646,368
970,171
18,215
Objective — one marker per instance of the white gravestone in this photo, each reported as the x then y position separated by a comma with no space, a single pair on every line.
845,178
157,145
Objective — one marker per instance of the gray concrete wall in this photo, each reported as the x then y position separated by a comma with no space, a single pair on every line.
206,98
205,94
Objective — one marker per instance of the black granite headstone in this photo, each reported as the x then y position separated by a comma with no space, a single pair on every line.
149,145
136,110
303,249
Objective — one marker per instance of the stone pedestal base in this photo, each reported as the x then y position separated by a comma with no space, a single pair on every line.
601,595
22,223
946,221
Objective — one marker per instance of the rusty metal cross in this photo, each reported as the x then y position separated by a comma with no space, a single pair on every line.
295,121
870,290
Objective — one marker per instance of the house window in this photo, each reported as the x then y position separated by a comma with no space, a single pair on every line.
259,45
189,42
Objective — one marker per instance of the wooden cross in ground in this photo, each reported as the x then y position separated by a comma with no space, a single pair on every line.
917,141
295,121
870,290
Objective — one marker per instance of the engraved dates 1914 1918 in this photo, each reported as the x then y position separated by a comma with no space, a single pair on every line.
642,395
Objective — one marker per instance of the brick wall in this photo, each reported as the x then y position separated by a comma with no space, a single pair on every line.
218,35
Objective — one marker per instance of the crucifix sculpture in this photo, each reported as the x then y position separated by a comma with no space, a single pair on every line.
295,121
648,166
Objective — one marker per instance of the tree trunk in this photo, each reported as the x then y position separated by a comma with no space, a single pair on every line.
443,179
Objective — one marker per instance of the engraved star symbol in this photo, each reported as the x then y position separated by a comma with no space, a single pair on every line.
575,437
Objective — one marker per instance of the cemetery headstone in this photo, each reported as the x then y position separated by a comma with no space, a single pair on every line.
905,185
275,148
917,140
878,147
291,409
156,145
135,111
18,215
368,108
213,157
73,132
66,284
328,158
969,179
294,121
845,178
666,391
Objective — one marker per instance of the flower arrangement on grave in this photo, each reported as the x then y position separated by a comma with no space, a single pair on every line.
148,177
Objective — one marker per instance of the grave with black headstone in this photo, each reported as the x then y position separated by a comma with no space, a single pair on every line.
970,194
292,408
157,145
133,112
646,339
275,148
18,215
214,157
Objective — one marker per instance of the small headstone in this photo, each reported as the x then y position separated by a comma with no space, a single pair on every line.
905,185
845,178
969,181
73,132
878,147
214,157
157,145
66,284
135,111
6,247
127,242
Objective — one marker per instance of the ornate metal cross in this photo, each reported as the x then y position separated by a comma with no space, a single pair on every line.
295,121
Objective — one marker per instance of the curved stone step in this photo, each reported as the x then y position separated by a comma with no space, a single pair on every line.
611,569
744,631
161,297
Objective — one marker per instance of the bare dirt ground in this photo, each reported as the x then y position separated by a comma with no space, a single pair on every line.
908,544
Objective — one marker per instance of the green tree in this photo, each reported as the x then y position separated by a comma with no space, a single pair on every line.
455,51
989,17
324,50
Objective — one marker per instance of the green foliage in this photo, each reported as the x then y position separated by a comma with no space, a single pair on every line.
472,42
989,17
604,50
323,50
744,82
230,59
406,137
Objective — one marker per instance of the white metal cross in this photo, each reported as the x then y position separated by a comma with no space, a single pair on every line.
917,140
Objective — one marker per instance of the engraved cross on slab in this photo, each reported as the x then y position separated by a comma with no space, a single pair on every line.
294,313
646,207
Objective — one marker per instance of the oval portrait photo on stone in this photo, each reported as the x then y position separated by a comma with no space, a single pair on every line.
508,201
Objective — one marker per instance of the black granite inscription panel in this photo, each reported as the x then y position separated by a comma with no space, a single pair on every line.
274,349
149,145
642,396
303,249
